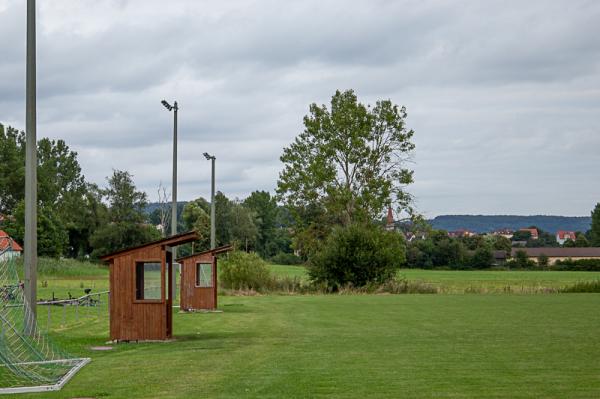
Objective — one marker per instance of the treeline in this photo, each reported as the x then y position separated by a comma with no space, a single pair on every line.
75,218
255,224
489,223
437,250
79,219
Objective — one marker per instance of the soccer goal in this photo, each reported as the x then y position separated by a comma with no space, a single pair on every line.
29,360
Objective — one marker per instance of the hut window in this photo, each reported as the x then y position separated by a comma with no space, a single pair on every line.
147,280
204,275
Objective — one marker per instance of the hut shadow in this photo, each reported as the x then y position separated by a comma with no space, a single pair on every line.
236,308
216,340
223,309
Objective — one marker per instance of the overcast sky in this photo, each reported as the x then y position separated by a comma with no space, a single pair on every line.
504,96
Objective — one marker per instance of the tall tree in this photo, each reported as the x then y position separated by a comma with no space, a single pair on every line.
595,230
581,240
265,208
126,225
12,168
163,210
61,192
222,218
242,226
351,159
196,217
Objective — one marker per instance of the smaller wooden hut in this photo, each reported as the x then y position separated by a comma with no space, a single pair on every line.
199,280
141,295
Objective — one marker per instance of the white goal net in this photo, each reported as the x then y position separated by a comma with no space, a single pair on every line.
29,361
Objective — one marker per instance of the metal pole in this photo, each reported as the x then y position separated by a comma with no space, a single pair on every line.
174,207
213,237
30,172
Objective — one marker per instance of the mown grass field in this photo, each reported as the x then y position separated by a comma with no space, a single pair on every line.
446,345
459,281
410,346
478,281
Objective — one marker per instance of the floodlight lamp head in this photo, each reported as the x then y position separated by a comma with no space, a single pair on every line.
167,105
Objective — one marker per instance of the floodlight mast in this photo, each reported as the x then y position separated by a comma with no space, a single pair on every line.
213,238
174,108
30,173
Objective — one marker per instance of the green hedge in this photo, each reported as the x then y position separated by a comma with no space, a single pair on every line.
588,265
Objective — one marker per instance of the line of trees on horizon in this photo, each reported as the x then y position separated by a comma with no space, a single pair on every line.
79,219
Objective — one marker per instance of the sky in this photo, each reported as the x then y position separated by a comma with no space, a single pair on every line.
503,96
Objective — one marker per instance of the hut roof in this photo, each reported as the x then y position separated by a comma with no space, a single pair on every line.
218,250
178,239
582,252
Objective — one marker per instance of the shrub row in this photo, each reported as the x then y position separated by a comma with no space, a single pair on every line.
583,286
589,265
247,273
283,258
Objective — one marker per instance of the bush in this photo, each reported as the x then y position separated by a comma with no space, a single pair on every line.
245,271
482,258
357,255
283,258
583,286
404,286
588,265
521,261
542,260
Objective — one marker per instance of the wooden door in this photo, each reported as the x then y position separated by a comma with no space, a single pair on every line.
214,276
205,287
169,296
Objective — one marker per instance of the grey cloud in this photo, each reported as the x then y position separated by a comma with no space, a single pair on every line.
502,95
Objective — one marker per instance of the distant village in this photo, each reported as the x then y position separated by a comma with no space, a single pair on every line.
531,242
555,247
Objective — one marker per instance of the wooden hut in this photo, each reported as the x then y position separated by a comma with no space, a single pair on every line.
141,295
199,280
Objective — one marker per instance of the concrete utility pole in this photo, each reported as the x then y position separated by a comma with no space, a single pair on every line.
174,210
174,108
30,172
213,229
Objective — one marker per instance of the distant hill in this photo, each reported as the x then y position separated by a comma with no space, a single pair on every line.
487,223
152,206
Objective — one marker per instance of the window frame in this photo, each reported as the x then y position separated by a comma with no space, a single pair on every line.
162,281
198,265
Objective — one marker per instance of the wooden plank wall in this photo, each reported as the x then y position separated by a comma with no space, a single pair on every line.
131,320
192,297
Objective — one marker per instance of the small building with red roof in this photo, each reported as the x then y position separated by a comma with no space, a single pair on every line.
9,248
534,233
563,235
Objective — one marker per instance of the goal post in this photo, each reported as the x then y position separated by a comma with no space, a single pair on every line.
29,360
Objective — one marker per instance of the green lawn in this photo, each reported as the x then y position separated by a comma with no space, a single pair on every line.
289,271
409,346
479,281
457,281
421,346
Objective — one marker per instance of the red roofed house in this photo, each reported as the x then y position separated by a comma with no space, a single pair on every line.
8,247
534,233
562,236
